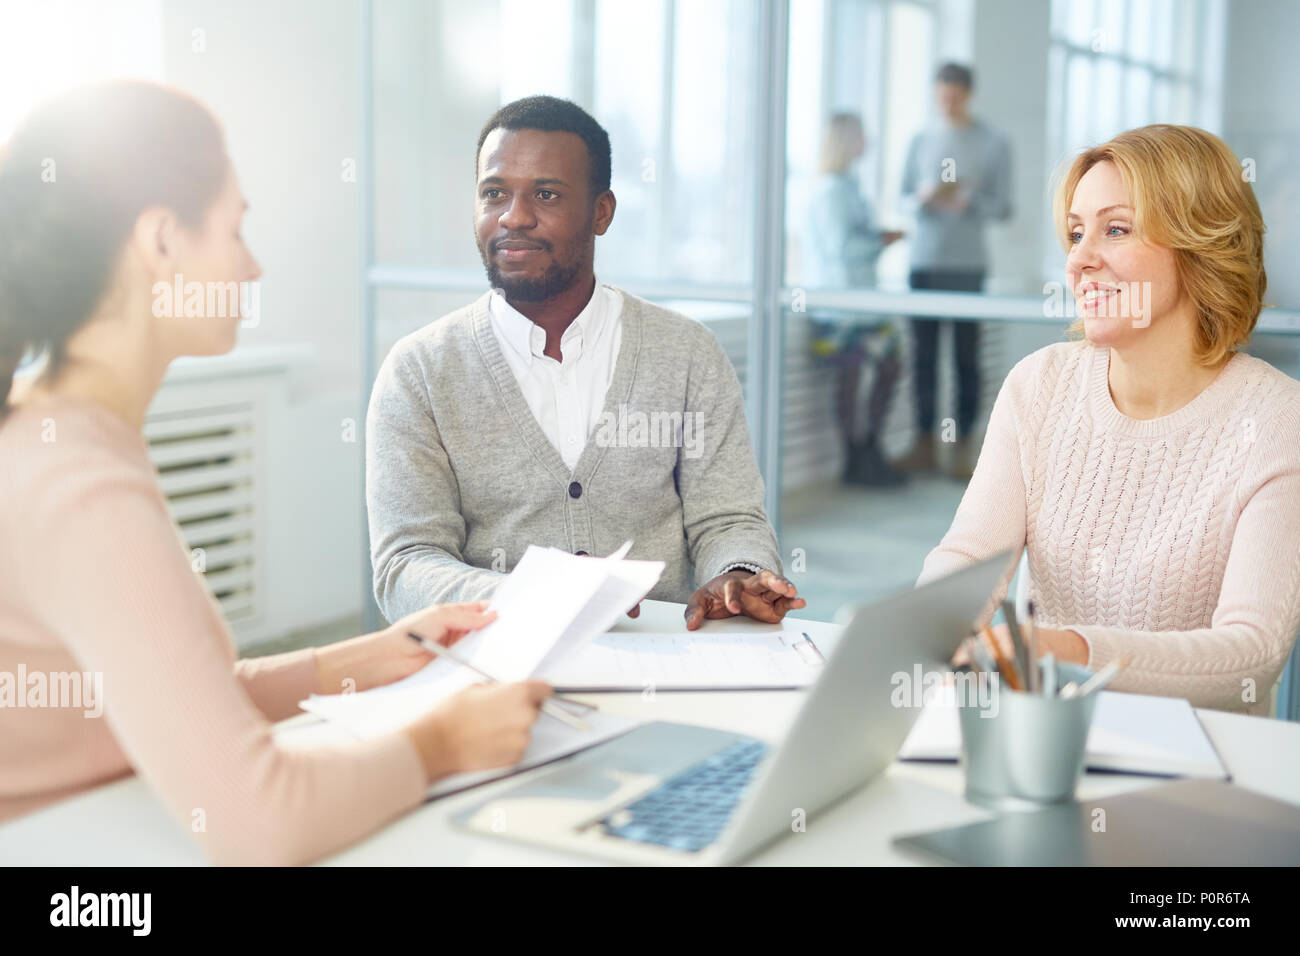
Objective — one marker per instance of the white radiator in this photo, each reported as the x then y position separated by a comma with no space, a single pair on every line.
206,449
263,477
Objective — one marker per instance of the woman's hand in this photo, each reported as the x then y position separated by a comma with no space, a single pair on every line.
1065,645
480,727
373,660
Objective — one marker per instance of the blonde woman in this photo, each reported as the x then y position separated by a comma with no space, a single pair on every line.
1152,470
93,576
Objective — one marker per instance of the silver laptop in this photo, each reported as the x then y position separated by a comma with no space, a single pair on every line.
675,793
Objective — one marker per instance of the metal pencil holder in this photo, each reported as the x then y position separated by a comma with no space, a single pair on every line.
1027,750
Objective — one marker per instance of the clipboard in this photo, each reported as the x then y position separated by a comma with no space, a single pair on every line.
634,661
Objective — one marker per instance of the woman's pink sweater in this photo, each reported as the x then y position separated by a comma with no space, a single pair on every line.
94,579
1175,540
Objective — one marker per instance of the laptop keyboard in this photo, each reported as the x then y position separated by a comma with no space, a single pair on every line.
689,811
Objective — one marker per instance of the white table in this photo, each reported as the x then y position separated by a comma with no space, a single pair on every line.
122,823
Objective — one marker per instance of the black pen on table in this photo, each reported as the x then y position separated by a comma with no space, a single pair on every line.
548,706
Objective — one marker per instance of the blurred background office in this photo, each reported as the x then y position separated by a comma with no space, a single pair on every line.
353,124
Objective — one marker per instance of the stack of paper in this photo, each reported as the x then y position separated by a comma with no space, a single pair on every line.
551,741
1130,733
551,606
690,660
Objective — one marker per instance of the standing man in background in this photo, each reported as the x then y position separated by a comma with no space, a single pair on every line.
957,178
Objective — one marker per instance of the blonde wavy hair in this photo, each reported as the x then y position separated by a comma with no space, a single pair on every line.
842,132
1189,195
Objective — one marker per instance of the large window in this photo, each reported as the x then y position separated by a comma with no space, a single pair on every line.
873,59
696,169
670,80
1115,65
1118,64
41,53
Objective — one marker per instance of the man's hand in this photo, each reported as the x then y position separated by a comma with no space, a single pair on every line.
764,597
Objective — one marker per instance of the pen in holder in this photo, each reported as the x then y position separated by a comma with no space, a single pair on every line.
1021,750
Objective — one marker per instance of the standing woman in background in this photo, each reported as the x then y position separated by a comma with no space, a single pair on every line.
93,575
1153,470
841,243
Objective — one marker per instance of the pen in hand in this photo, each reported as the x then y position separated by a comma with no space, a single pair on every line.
548,707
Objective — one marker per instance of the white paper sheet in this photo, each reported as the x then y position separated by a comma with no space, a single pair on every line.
1131,733
689,660
384,709
535,605
550,597
627,583
551,740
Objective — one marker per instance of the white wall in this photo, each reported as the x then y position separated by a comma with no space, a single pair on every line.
282,78
429,107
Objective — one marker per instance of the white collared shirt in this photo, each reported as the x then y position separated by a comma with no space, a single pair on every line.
565,397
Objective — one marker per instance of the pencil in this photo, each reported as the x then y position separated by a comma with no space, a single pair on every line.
1005,666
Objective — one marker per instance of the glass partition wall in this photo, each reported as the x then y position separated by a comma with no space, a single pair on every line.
765,161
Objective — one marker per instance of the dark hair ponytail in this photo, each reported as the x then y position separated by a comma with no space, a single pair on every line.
74,178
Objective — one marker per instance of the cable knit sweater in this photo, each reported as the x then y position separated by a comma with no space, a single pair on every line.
1175,540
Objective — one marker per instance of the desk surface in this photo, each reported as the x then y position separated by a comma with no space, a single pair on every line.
123,824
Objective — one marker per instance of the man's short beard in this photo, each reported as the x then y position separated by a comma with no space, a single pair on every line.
548,285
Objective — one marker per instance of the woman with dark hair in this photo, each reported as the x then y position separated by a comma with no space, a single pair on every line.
106,193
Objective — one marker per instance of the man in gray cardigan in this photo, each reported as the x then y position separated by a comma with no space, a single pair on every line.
559,411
